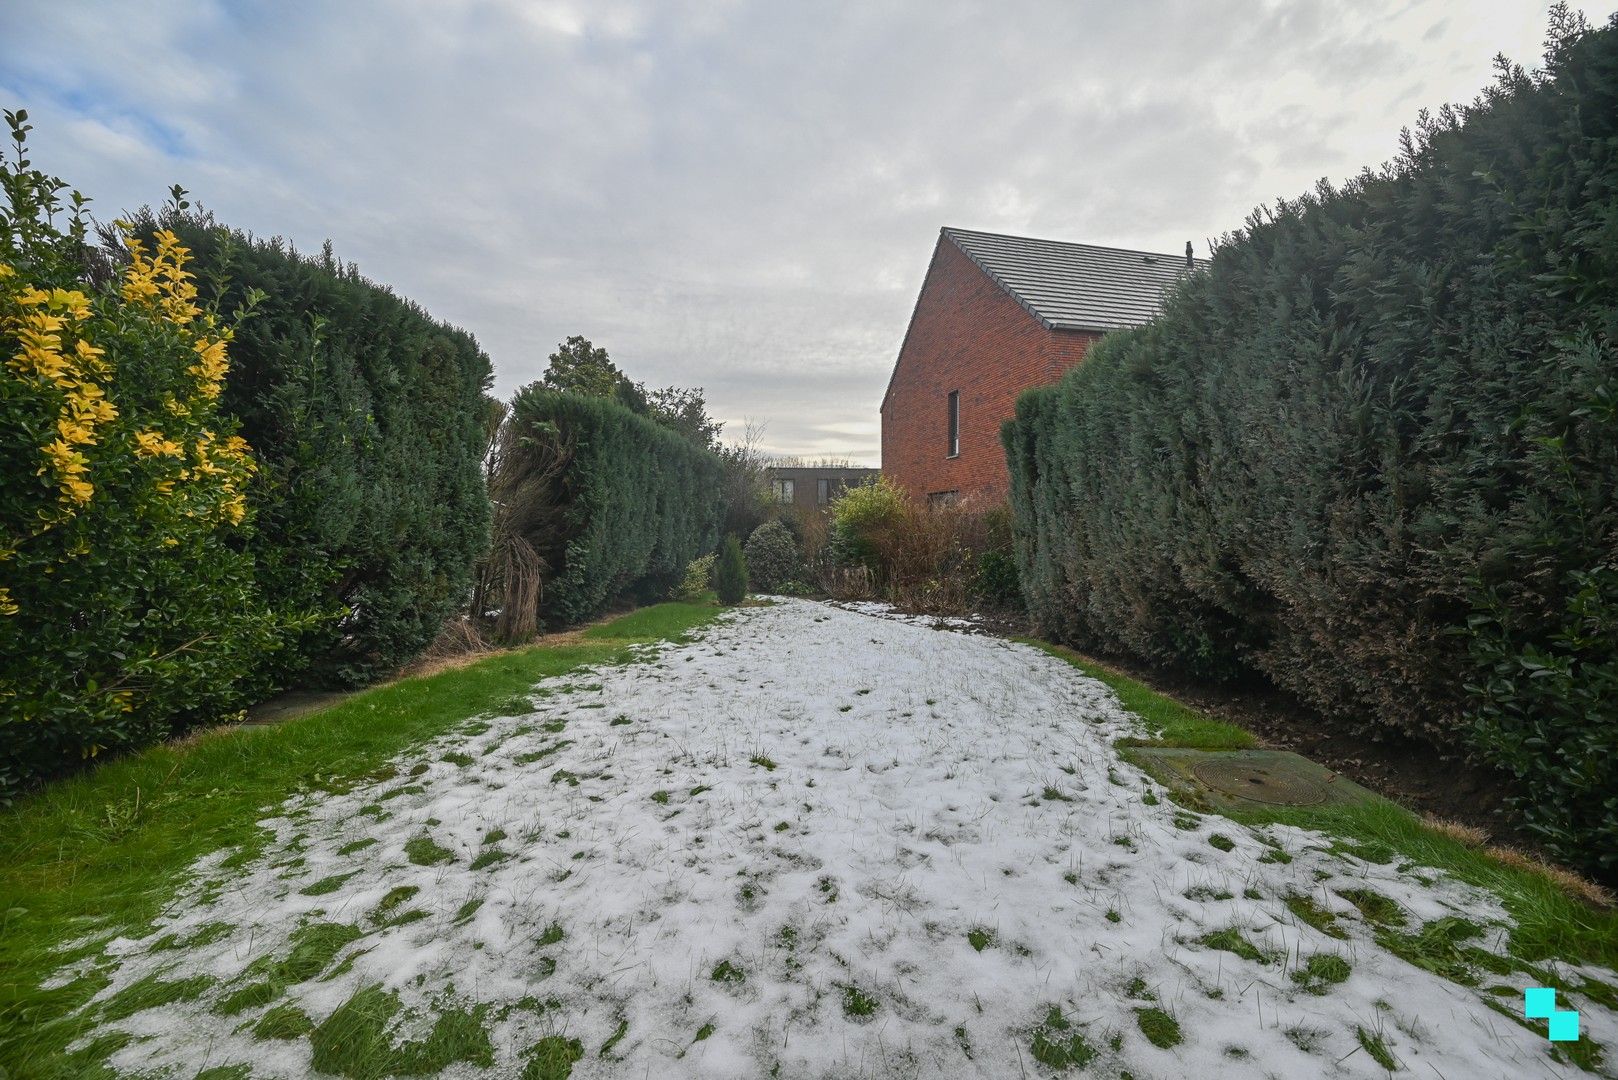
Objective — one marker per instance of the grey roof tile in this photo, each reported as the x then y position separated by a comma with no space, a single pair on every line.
1075,286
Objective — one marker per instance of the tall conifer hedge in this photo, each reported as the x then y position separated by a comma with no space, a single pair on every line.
634,504
1372,452
368,418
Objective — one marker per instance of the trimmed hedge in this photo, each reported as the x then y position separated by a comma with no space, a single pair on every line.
634,505
369,421
1372,452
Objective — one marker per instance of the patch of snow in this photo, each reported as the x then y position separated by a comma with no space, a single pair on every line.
882,610
818,806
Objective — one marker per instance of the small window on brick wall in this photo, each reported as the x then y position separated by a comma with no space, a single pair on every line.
783,491
938,499
823,491
954,423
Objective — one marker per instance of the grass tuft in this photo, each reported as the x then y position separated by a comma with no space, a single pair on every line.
421,850
1376,908
153,992
1232,940
552,1058
1160,1029
283,1022
1306,909
857,1004
1056,1044
1321,971
1377,1048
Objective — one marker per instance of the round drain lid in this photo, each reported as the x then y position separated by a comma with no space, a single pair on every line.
1260,783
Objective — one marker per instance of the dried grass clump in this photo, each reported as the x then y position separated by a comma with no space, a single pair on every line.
1569,882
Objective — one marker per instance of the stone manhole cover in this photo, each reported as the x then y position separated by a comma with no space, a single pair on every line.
1259,783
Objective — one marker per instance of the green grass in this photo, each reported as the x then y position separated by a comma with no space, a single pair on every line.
421,850
355,1042
1171,723
661,622
1321,971
1309,910
104,852
1374,907
283,1022
394,897
1548,920
616,1037
327,884
1440,947
1377,1048
1160,1029
489,858
153,992
1056,1044
857,1004
1232,940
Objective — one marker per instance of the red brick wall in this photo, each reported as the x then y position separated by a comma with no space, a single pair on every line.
966,334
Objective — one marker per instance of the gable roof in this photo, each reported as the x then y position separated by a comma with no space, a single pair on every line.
1075,286
1065,286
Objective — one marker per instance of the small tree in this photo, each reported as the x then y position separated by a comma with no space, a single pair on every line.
730,578
772,557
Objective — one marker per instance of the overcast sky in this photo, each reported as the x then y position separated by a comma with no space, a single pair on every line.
736,196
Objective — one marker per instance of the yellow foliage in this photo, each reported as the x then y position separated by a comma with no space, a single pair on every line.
57,357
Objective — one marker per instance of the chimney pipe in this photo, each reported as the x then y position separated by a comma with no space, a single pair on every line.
1189,261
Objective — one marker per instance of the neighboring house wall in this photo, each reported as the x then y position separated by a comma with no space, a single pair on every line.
812,490
968,335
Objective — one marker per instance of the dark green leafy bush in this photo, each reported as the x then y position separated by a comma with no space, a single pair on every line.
730,577
626,504
1547,712
368,417
773,558
1382,410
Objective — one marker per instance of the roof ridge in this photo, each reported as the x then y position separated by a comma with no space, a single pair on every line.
953,230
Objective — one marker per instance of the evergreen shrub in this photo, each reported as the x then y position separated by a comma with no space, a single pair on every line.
773,558
629,508
1372,451
368,418
730,576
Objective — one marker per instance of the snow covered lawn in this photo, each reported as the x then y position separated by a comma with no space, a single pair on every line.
814,843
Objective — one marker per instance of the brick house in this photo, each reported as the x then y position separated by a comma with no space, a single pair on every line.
809,489
997,315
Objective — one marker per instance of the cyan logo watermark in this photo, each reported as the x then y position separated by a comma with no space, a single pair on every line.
1539,1003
